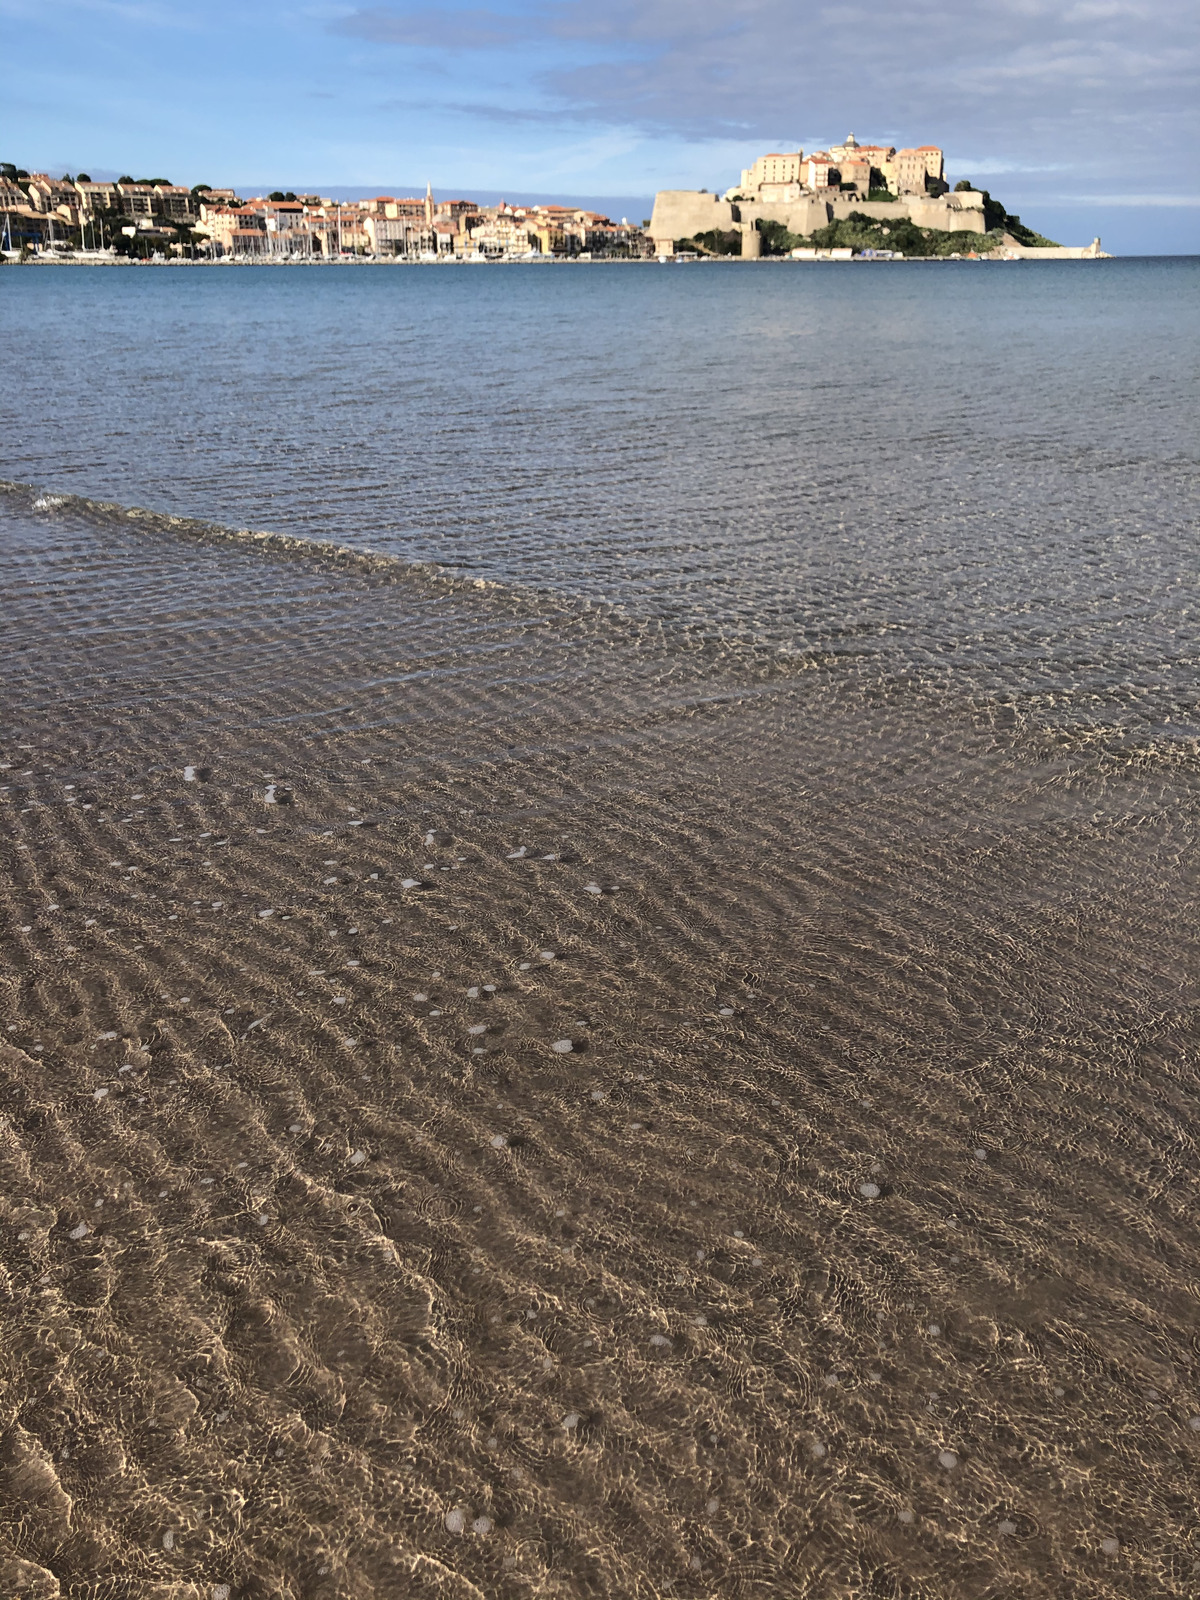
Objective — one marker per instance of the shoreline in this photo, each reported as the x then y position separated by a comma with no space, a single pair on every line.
520,261
511,1111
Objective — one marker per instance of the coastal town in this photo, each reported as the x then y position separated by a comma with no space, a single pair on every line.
151,219
848,201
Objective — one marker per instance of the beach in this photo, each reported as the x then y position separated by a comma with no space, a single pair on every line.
332,1270
581,1017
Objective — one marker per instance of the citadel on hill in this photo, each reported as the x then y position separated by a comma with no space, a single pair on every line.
869,187
859,168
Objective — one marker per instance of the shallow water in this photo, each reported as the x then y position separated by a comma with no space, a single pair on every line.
981,474
845,826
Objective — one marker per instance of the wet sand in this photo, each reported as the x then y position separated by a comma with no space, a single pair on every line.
496,1103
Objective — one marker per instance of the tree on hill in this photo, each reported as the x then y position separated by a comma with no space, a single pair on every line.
714,242
776,240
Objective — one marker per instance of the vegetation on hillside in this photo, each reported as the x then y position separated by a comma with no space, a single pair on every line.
1001,221
861,232
716,242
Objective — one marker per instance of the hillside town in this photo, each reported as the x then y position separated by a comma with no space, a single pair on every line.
866,170
152,219
847,201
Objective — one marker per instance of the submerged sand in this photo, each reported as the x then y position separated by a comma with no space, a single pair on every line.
496,1103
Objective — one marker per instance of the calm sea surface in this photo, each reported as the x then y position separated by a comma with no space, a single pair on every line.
978,476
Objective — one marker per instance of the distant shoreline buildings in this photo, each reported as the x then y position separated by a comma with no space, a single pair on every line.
158,220
842,201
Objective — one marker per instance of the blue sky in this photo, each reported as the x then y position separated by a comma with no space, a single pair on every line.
1083,115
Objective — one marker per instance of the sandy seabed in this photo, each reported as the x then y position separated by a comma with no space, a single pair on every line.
496,1103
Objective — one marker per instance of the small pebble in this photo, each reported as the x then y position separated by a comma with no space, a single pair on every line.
869,1191
482,1525
1110,1546
947,1459
563,1046
571,1420
456,1521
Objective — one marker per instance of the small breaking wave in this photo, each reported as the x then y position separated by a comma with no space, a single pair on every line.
217,533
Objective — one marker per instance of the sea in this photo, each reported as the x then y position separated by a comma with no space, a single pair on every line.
601,948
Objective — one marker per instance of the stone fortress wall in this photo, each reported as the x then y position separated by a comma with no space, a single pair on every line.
683,213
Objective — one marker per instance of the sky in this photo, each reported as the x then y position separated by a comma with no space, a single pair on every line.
1080,115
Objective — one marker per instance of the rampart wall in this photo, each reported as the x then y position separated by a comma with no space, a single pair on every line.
1014,250
683,213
